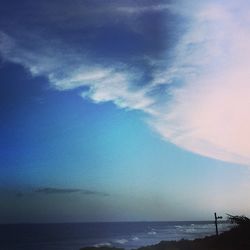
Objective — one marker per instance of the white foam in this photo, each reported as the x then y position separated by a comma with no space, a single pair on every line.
135,238
103,244
152,233
178,226
121,241
190,230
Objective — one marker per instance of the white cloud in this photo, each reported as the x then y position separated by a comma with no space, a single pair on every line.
104,83
210,113
107,84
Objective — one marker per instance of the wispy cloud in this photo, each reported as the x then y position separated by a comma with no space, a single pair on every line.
107,84
52,190
67,72
206,107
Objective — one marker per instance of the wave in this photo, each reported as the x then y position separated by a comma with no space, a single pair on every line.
135,238
121,241
178,226
103,244
190,230
152,233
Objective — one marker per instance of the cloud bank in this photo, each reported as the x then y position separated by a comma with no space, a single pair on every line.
198,93
51,190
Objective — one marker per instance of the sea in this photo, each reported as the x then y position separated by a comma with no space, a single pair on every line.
127,235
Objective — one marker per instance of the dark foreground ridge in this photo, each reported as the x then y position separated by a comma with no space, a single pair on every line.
238,238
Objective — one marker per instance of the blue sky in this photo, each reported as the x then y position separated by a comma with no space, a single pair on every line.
123,110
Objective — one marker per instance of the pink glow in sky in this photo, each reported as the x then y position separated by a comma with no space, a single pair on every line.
210,113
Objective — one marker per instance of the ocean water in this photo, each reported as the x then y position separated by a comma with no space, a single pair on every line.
73,236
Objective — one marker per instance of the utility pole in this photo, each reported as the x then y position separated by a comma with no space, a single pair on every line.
215,221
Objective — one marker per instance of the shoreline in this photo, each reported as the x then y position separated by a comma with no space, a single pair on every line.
237,238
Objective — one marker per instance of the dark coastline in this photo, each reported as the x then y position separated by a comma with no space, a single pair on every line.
237,238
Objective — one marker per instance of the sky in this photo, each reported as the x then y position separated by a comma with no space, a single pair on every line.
124,110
